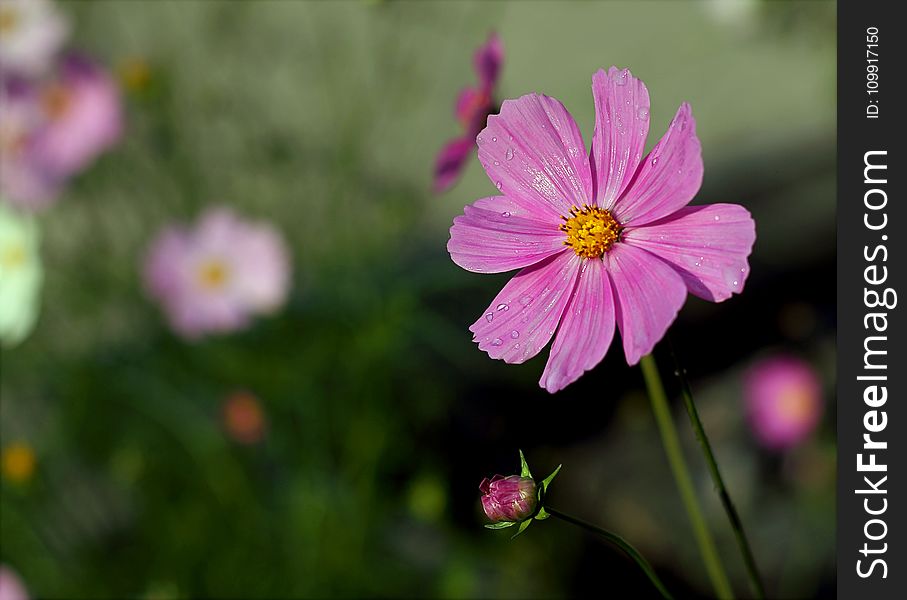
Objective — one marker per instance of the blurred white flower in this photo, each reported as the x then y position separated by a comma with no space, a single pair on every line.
21,275
31,33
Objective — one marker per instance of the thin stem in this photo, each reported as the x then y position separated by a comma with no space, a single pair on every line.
718,481
682,478
618,541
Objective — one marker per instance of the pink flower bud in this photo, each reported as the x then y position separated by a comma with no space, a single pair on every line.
512,498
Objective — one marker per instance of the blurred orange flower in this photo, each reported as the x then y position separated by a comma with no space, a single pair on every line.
17,462
244,419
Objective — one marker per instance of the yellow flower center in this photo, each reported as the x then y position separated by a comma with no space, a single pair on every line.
212,275
12,256
55,100
18,462
591,231
795,404
9,18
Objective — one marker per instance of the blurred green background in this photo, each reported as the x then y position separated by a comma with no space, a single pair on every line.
382,415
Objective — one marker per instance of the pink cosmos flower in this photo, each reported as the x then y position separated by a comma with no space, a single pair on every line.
31,34
11,587
604,239
215,277
783,401
472,108
83,117
54,129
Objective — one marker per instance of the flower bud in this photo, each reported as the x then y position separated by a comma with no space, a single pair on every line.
509,499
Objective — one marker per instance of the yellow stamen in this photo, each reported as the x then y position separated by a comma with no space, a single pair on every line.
212,275
591,231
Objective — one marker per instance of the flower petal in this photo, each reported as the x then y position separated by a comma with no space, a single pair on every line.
499,234
524,315
586,329
450,162
708,245
649,293
533,150
621,127
668,177
487,61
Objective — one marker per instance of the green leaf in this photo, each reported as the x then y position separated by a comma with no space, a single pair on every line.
522,528
548,479
501,525
524,466
542,515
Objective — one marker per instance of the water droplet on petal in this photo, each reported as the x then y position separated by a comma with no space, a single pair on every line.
505,214
514,334
496,163
494,139
735,282
717,218
643,113
499,184
654,160
503,307
509,154
497,342
489,317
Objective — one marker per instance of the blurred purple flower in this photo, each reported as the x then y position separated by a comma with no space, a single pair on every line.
472,108
509,499
31,34
11,587
50,131
214,277
784,403
605,240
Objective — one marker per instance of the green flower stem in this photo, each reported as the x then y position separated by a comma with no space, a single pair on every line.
618,541
682,478
718,481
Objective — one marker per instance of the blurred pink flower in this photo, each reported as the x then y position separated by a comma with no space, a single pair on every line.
604,240
472,108
83,117
23,182
783,401
52,130
214,277
31,34
11,587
